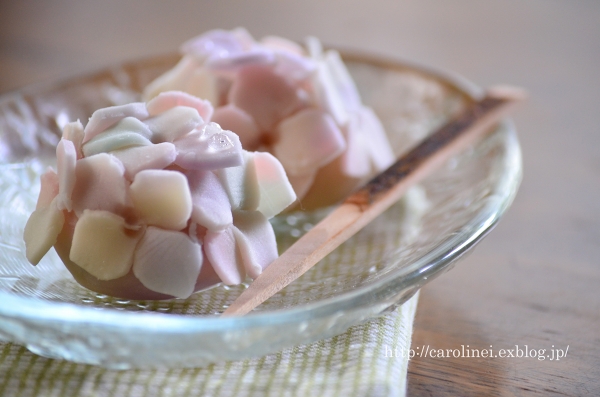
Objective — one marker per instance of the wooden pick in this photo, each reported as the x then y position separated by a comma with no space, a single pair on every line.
379,194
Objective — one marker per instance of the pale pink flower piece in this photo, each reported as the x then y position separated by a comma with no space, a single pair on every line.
66,159
209,149
218,44
139,158
74,132
276,192
210,203
107,117
232,118
308,140
48,189
256,241
220,249
266,96
173,123
167,262
100,185
167,100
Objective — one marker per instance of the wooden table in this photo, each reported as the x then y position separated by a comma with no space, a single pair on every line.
534,281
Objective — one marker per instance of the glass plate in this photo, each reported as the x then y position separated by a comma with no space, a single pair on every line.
382,266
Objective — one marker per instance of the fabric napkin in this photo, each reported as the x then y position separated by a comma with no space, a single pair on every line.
360,362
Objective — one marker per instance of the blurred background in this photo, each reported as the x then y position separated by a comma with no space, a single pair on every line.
534,280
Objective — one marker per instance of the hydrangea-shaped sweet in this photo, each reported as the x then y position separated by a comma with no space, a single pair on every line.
153,201
298,103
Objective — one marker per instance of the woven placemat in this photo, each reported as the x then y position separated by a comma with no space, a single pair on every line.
359,362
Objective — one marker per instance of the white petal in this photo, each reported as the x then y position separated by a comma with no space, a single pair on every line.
343,81
139,158
206,85
167,262
241,183
174,79
256,241
276,192
173,123
329,98
294,67
104,118
102,246
283,45
217,43
126,133
314,47
220,249
356,160
377,142
162,198
209,149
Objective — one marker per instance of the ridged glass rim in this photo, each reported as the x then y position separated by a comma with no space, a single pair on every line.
413,275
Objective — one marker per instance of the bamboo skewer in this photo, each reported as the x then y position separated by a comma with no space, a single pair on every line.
379,194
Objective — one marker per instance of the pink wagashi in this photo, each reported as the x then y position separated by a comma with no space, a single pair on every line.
141,210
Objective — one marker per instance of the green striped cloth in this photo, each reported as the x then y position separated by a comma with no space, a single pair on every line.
356,363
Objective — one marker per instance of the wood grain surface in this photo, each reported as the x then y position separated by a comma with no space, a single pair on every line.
535,279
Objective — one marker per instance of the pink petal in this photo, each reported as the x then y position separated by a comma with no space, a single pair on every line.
281,44
74,132
104,118
49,188
207,277
100,185
256,241
234,119
170,99
66,157
265,95
220,249
210,204
41,231
218,43
167,262
232,64
308,140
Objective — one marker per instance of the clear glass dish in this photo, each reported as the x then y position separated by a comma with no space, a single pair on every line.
381,267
